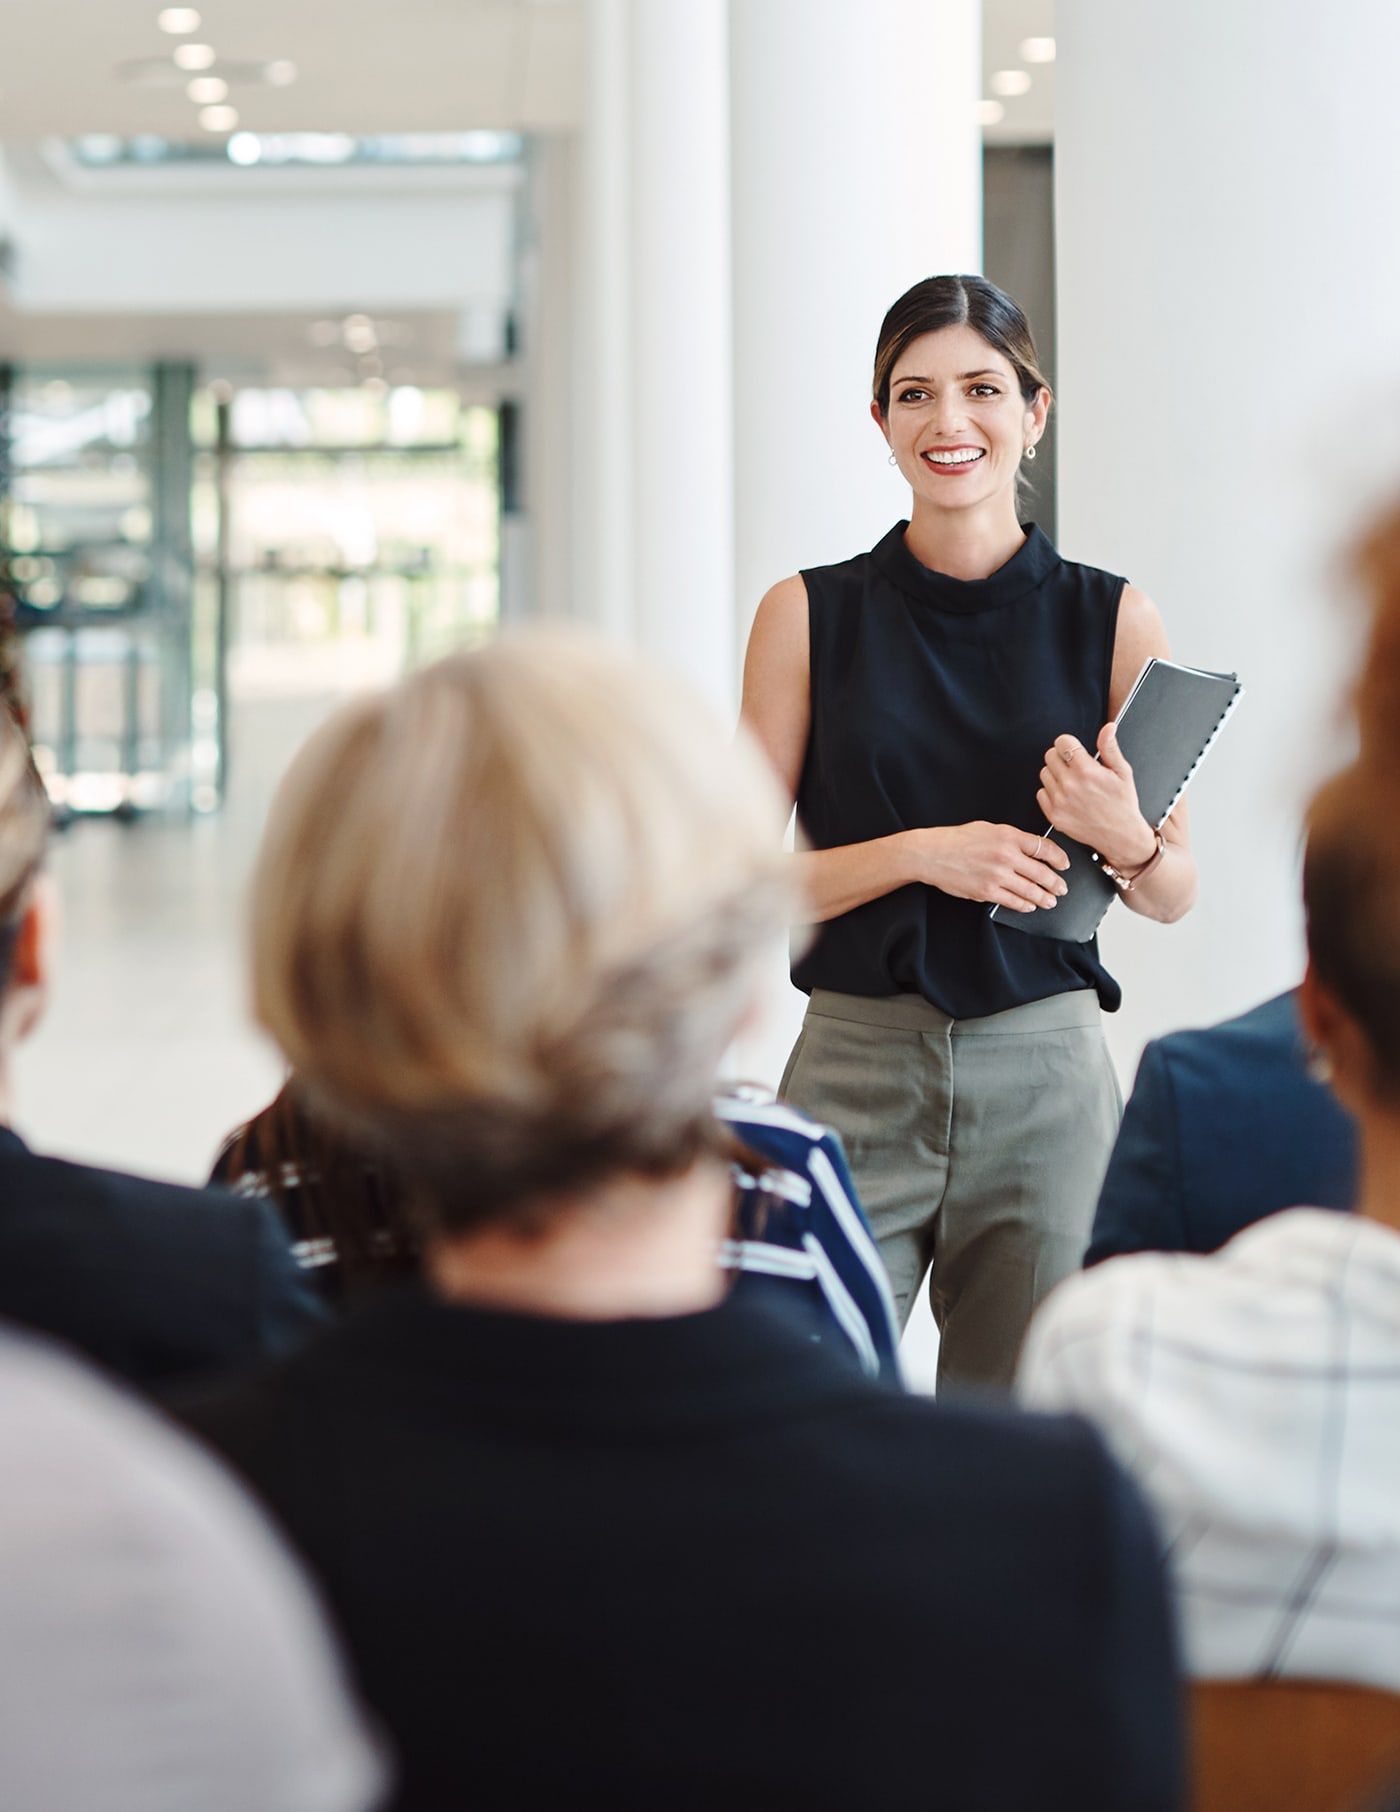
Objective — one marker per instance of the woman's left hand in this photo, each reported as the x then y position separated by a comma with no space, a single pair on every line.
1096,802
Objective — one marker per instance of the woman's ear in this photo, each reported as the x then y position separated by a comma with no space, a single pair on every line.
31,961
1335,1040
877,416
1037,414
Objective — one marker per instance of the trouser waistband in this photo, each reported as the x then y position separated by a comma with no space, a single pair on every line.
912,1013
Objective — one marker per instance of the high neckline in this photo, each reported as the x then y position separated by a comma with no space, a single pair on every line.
1032,562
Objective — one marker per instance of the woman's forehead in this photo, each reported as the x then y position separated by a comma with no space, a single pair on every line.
950,352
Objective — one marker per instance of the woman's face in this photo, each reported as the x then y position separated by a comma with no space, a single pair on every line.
957,423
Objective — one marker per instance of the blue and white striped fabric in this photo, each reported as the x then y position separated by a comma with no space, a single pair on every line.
800,1222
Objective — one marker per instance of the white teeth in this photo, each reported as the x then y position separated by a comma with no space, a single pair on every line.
962,456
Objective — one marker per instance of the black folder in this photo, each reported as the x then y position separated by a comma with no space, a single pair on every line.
1168,722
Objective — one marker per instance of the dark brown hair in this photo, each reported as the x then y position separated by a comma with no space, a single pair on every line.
972,302
1351,890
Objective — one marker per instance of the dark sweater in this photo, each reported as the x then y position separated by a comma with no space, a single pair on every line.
159,1284
701,1563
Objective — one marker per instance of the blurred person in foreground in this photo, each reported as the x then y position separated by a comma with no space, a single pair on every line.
160,1284
1256,1393
599,1531
159,1651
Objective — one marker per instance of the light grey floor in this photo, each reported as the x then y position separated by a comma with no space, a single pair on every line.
147,1056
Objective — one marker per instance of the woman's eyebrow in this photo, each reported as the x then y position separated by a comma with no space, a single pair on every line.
911,377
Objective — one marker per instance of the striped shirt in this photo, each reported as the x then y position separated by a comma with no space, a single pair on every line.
799,1221
1255,1394
799,1237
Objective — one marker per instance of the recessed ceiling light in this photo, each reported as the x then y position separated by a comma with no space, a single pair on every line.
218,119
280,74
207,88
1037,50
178,20
244,148
1010,82
990,113
194,56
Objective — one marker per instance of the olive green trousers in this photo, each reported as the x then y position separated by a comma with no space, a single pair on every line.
978,1147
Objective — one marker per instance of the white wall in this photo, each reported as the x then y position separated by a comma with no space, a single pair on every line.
1229,389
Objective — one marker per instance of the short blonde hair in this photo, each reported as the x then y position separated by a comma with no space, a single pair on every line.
508,915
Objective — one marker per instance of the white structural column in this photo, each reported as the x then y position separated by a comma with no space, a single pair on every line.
856,171
654,448
1229,377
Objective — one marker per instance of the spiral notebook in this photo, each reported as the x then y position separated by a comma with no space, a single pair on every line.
1165,729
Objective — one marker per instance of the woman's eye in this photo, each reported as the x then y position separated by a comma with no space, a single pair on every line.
985,390
913,396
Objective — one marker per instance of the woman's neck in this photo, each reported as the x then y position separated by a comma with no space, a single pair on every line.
1378,1197
631,1247
965,544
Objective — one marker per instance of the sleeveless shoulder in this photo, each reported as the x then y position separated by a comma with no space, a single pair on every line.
843,578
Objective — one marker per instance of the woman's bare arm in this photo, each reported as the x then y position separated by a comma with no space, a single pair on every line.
1169,892
993,862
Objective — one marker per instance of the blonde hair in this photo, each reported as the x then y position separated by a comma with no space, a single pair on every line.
507,916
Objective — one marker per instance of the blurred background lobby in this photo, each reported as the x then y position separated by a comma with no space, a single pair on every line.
335,336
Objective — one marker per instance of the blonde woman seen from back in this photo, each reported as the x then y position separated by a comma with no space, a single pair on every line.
507,918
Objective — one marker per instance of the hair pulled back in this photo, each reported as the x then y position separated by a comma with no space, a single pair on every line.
965,301
507,916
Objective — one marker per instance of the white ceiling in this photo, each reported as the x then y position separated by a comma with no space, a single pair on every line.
363,65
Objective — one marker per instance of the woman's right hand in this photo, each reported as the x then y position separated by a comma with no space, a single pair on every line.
992,862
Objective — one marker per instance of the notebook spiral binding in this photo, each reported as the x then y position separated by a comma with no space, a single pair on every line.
1220,724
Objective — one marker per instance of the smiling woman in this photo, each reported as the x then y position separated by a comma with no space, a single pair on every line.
922,703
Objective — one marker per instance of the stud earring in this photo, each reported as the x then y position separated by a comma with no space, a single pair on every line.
1319,1066
893,460
1030,451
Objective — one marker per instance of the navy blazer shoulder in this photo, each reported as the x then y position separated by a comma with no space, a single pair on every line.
158,1283
1224,1126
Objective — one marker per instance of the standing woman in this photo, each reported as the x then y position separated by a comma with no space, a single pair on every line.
928,705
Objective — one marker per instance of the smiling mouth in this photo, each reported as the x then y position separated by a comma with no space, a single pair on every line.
957,459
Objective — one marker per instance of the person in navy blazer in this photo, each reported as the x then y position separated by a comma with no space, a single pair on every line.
1224,1126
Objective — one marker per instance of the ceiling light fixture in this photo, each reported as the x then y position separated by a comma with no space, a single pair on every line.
1009,82
218,119
990,113
179,21
206,88
280,73
194,56
1037,50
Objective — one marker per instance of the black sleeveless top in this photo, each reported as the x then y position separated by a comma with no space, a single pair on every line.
933,702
